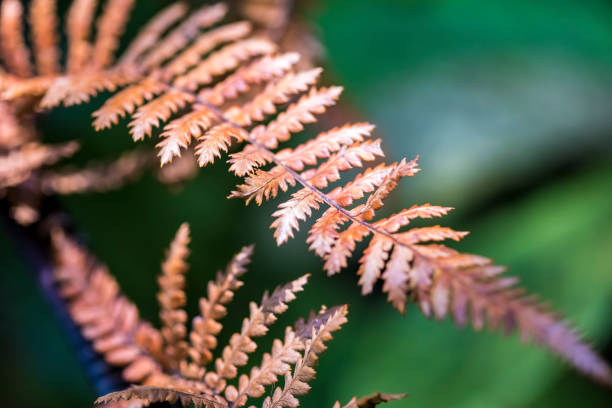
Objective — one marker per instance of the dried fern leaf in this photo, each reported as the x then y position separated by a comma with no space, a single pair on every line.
149,358
225,86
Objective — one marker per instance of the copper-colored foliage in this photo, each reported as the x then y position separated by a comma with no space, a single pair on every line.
169,366
226,88
208,81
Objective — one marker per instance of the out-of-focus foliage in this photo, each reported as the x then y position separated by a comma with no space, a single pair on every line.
516,93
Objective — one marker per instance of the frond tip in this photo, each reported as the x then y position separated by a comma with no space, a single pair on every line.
218,86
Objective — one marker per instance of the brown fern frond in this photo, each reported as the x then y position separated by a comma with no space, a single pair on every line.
109,28
232,89
14,50
150,359
45,39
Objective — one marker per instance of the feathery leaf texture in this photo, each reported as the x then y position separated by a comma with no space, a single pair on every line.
165,366
217,84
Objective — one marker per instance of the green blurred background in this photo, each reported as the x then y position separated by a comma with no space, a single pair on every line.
508,104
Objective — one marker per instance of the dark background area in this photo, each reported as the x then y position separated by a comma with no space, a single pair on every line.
508,104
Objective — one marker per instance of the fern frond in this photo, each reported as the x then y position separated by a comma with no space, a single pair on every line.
149,358
45,39
229,89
